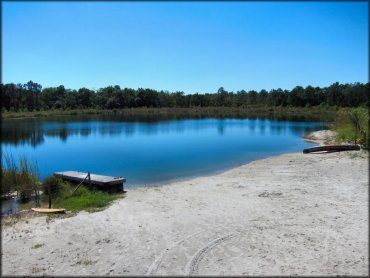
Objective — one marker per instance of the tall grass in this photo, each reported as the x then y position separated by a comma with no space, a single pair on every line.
360,120
22,177
353,125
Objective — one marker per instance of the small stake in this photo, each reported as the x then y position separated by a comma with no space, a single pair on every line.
49,195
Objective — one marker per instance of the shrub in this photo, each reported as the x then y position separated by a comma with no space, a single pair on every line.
55,184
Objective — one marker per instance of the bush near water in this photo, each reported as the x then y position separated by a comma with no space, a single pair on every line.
351,125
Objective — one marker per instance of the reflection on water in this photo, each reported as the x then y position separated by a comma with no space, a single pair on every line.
150,149
33,131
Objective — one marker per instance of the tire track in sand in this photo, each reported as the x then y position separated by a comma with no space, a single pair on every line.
219,234
157,262
194,263
153,268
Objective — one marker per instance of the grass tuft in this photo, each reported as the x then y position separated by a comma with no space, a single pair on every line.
38,245
86,262
345,133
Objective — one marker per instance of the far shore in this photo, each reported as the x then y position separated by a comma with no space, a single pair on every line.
264,111
293,214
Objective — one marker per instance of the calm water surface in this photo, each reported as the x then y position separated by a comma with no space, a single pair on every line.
149,152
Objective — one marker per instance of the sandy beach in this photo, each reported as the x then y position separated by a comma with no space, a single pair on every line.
294,214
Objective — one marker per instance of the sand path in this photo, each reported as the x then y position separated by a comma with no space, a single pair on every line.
294,214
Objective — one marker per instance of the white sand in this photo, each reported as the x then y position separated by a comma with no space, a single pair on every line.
295,214
322,137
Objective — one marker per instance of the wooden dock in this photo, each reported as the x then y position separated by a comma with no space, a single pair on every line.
102,182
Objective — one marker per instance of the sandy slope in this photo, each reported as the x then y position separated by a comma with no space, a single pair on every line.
295,214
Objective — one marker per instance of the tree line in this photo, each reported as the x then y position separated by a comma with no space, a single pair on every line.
32,97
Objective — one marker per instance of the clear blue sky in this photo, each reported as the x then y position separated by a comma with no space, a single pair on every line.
186,46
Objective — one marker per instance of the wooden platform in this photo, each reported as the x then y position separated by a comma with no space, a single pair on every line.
102,182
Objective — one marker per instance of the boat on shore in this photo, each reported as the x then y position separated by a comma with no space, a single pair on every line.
332,148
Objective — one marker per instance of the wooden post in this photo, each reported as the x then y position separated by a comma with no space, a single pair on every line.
88,173
88,176
365,142
49,192
37,196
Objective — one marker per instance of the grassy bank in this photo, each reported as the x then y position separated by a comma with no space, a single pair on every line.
83,198
47,113
253,110
349,130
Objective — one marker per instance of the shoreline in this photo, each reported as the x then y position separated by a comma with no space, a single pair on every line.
292,214
157,184
252,110
320,142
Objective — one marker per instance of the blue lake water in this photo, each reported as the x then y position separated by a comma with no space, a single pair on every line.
149,153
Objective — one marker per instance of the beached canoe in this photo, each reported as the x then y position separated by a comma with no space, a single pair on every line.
332,148
51,210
